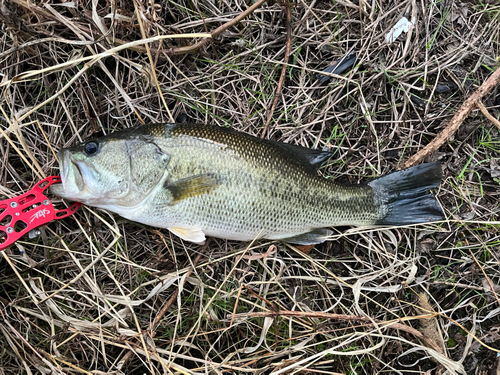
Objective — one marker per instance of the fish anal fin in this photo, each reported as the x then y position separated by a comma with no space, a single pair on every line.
195,235
192,186
313,237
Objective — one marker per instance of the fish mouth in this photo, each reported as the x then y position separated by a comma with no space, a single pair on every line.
72,178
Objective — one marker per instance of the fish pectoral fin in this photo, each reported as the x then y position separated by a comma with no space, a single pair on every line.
309,238
195,235
192,186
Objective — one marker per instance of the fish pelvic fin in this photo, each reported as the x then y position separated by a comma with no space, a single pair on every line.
195,235
192,186
404,196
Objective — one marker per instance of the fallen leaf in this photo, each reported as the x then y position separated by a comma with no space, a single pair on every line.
306,249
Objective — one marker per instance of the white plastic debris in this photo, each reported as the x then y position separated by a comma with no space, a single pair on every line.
402,26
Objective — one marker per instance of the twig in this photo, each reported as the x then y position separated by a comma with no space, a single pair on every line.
195,47
486,114
456,121
288,48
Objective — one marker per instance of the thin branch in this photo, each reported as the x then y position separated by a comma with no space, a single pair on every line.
487,114
195,47
288,48
456,121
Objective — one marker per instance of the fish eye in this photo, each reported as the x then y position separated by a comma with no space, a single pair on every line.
91,148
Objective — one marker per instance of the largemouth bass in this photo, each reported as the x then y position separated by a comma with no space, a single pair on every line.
200,180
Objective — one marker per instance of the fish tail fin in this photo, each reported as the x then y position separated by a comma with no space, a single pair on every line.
404,195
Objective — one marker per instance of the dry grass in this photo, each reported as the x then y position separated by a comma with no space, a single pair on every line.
82,296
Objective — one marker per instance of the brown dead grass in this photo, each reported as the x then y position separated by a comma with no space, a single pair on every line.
81,297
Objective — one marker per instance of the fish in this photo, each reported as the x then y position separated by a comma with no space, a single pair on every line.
199,180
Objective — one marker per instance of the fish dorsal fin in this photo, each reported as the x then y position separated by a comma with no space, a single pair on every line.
195,235
192,186
308,157
313,237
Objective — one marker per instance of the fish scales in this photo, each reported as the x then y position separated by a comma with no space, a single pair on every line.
264,190
201,180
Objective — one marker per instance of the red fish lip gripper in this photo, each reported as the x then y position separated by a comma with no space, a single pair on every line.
28,211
